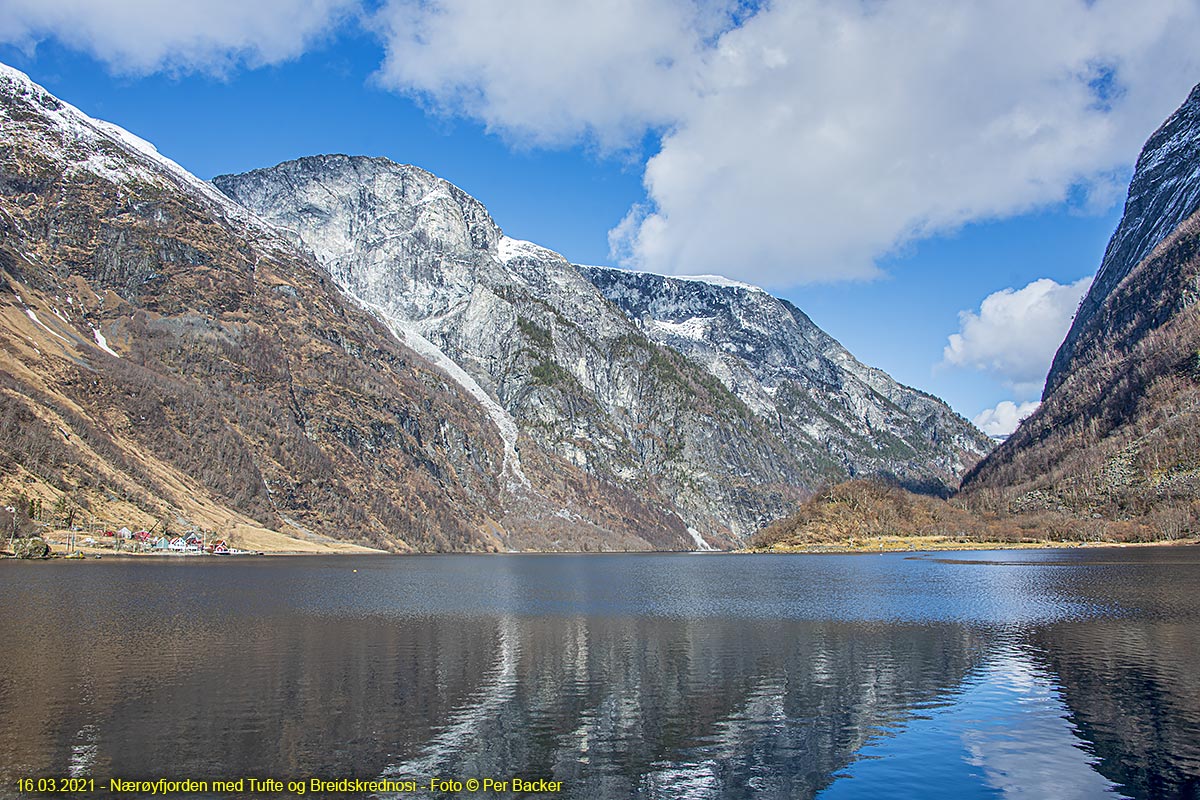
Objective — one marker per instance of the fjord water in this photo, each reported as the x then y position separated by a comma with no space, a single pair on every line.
1055,673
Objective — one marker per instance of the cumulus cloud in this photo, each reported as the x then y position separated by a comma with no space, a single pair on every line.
1016,332
1004,418
143,36
808,139
550,71
797,140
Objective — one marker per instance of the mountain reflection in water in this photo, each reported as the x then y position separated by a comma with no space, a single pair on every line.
1032,674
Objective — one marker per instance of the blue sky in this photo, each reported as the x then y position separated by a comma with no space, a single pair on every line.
886,178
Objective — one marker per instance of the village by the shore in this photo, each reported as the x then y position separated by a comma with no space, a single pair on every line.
124,542
33,528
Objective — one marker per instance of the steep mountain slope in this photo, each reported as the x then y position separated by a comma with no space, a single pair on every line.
166,354
1118,432
582,380
578,378
785,368
170,355
1164,192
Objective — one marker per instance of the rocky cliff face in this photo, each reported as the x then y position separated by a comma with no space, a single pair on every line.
1164,192
818,397
167,355
724,437
569,374
376,361
1117,432
198,364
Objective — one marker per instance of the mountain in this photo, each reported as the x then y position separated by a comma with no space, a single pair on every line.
584,378
1118,431
1163,194
353,350
568,375
820,398
168,356
172,355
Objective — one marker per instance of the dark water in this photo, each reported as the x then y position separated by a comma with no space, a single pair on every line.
1040,674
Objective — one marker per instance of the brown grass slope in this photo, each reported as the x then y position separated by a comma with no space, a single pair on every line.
874,515
247,390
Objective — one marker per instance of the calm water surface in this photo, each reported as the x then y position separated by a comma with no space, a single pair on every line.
1039,674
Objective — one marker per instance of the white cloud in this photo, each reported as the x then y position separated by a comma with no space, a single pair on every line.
550,71
144,36
810,139
800,142
1016,332
1004,418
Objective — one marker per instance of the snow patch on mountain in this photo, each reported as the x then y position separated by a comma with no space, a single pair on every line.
509,249
691,328
699,540
77,127
103,342
719,280
30,313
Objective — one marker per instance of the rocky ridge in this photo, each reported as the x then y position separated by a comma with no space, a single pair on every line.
576,376
583,376
1163,193
171,352
788,370
171,355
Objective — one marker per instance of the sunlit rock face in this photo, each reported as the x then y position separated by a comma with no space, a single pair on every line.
578,378
449,388
168,355
724,444
819,397
1164,192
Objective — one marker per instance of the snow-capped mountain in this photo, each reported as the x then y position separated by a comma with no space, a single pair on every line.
170,358
349,347
575,374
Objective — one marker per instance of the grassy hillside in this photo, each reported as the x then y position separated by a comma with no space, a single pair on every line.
865,514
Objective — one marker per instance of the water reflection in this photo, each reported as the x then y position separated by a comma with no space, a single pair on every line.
620,707
1047,675
1134,693
1007,733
